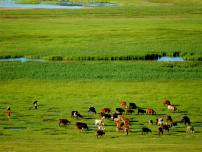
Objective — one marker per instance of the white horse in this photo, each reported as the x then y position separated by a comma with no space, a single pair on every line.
99,122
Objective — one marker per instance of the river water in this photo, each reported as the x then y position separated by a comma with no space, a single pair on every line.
170,59
22,59
12,4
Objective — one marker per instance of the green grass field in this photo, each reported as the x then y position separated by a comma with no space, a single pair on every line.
95,36
101,71
58,98
135,28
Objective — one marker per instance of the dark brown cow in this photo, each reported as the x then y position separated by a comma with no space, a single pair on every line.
81,126
106,110
64,122
166,102
150,111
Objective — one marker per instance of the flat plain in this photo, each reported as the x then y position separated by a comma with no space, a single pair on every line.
134,28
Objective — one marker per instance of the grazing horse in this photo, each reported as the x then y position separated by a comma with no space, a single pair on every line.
150,111
123,104
118,123
141,111
172,108
64,122
100,133
76,114
173,124
124,128
105,115
81,126
160,131
150,121
169,119
91,110
120,110
115,115
105,110
159,121
101,127
129,111
145,130
165,127
166,102
123,119
186,120
190,129
132,106
99,122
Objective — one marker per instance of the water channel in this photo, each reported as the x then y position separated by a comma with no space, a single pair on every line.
62,5
13,4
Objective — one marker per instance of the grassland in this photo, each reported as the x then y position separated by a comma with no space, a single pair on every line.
57,98
61,87
134,28
101,71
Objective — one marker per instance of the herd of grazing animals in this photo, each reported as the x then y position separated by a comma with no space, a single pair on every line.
123,124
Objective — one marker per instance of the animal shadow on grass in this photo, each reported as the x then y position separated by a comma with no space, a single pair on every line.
88,118
54,132
197,122
58,133
115,136
178,131
49,120
176,105
160,114
133,120
184,112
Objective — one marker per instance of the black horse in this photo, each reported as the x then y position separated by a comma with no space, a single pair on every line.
186,120
92,110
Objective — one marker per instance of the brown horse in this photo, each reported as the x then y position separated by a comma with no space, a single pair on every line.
123,104
64,122
150,111
105,110
166,102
